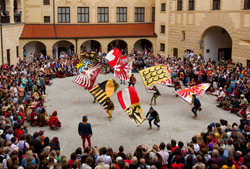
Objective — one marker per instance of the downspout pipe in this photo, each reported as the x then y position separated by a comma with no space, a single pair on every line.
2,43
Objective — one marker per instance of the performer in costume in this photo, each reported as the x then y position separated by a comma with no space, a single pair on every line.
109,107
155,95
54,123
132,80
196,105
85,131
153,115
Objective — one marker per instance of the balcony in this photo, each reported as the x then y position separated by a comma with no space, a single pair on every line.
17,18
5,19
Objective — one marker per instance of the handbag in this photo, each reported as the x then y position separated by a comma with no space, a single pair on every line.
158,119
200,109
24,148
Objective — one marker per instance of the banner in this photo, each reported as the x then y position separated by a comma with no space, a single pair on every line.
187,93
168,82
84,64
123,69
154,75
130,103
113,56
103,90
88,76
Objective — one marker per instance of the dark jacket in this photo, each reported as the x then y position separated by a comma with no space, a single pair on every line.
36,144
84,129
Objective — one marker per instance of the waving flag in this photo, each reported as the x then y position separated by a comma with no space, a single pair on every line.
88,76
103,90
168,82
113,56
154,75
187,93
130,103
123,69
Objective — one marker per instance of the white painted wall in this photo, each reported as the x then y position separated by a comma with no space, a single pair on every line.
214,40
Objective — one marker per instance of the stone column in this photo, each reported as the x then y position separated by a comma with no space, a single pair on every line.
10,9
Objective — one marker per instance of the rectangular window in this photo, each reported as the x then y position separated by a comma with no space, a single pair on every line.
139,14
17,51
63,14
191,5
82,14
216,4
162,28
46,2
247,4
153,14
121,14
162,47
103,14
163,7
183,35
46,19
179,5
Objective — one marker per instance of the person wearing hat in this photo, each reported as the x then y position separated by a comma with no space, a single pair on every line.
54,122
85,131
152,115
156,93
109,107
243,101
196,105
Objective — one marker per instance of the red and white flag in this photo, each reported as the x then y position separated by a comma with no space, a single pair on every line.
123,68
127,97
113,56
130,103
168,82
88,76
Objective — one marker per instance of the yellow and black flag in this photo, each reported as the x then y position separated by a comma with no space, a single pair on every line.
104,90
154,75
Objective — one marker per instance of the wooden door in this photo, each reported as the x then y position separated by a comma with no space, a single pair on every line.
8,56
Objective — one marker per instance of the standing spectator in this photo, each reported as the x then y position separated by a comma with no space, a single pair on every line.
164,155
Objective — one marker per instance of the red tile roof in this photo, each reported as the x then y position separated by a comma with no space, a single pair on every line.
87,31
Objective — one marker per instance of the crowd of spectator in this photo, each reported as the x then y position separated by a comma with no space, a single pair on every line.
23,97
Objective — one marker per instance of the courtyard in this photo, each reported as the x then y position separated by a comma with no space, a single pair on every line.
72,101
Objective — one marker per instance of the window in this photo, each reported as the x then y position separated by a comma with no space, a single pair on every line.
183,35
162,47
179,5
139,14
247,4
191,5
63,14
162,28
153,14
83,14
17,51
46,2
46,19
121,14
163,7
103,14
216,4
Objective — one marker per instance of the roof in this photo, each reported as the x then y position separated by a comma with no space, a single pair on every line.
45,31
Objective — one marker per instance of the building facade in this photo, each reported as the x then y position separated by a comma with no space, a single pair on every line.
217,29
